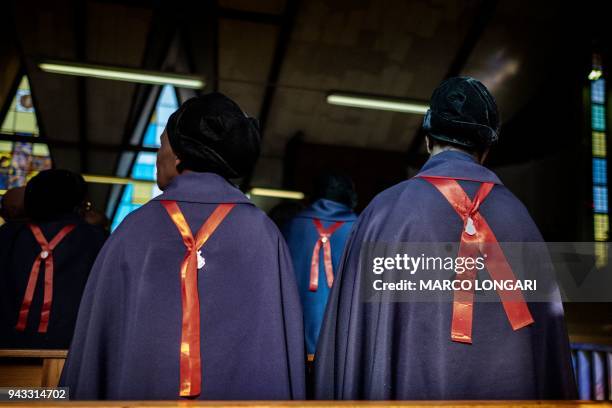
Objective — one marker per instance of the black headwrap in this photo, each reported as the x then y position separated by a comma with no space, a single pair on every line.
210,133
336,187
463,112
53,193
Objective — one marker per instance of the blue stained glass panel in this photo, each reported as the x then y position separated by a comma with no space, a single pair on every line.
168,97
150,139
600,199
600,172
598,119
598,91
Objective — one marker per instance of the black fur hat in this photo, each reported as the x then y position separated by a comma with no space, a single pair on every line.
463,112
210,133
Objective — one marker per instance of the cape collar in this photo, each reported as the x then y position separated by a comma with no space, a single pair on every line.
457,165
328,210
205,188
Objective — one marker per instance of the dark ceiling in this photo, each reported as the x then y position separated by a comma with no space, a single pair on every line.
279,58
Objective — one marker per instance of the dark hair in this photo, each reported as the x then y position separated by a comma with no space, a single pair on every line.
283,212
52,193
445,145
336,187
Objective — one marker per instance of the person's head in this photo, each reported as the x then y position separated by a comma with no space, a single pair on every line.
285,211
462,116
12,207
336,187
53,193
96,217
209,133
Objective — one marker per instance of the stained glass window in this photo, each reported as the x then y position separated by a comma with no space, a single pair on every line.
599,162
598,119
600,172
20,161
598,91
599,144
136,194
601,227
600,199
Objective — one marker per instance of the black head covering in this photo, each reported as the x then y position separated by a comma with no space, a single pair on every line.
53,193
336,187
463,112
210,133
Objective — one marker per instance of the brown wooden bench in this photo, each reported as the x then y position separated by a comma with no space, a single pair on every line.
31,368
310,404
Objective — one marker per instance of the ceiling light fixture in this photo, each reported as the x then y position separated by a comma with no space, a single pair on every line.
595,74
272,192
99,179
377,102
122,74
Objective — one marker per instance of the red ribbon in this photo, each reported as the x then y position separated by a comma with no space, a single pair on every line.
190,363
478,238
46,253
324,236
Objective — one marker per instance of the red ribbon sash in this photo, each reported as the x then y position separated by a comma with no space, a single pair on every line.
323,241
478,238
46,253
190,363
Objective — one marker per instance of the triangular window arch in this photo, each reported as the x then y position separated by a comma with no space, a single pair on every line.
21,159
143,167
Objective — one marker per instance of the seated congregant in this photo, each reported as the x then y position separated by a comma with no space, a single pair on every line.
316,237
45,262
193,295
502,347
12,207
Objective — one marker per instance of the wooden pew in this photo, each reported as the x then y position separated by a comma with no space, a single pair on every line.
310,404
31,368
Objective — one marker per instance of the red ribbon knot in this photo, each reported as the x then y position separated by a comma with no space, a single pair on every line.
323,241
46,255
190,381
477,239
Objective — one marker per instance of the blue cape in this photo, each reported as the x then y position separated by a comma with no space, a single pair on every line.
395,350
127,339
301,236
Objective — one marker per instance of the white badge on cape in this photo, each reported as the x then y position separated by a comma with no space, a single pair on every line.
201,261
470,229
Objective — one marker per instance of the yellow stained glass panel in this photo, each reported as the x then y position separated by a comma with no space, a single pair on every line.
40,149
601,227
25,122
142,193
21,116
6,146
599,144
8,124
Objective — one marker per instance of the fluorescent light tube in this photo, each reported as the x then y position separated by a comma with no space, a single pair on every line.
122,74
379,103
95,178
272,192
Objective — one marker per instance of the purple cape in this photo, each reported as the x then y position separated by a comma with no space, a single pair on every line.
127,340
395,350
